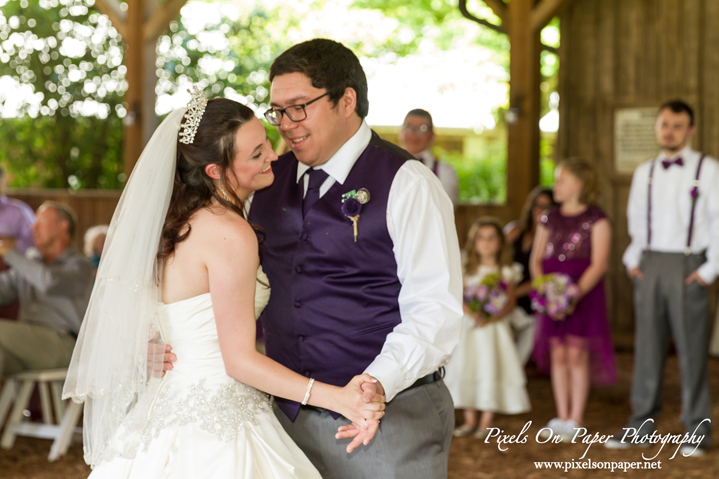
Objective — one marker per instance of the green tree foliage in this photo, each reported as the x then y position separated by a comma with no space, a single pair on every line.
230,58
70,135
440,22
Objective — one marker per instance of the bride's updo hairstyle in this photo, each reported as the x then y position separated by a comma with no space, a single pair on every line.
214,143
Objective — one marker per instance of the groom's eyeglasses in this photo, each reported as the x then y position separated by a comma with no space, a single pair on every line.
295,112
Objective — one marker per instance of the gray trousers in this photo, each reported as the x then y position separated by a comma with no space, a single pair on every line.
666,308
26,346
412,441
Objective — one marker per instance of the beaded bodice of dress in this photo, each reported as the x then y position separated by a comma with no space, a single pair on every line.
570,237
198,388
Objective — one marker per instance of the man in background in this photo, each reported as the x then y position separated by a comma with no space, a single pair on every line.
416,137
16,219
53,284
673,215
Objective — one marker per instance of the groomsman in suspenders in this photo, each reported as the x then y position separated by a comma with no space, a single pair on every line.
416,137
362,255
673,258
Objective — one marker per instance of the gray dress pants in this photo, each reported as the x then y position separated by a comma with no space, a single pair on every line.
412,441
25,346
665,309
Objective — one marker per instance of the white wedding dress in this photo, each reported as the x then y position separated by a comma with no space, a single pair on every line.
202,423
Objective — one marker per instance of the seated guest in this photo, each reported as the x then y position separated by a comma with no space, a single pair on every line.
16,218
94,243
53,284
520,234
416,136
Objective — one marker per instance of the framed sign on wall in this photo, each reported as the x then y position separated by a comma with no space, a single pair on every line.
634,138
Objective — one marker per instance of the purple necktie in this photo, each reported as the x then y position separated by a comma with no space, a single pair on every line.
667,163
317,177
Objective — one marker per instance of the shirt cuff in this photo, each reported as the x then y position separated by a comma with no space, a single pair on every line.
388,374
707,273
631,260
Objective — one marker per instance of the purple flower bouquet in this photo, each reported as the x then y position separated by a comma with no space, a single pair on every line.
489,296
553,294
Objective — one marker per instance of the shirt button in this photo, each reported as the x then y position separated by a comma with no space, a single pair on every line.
307,373
298,304
301,338
304,237
298,269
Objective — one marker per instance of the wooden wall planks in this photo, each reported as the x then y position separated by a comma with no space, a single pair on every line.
633,53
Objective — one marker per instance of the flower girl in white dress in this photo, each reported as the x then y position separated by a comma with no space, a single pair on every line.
485,373
201,291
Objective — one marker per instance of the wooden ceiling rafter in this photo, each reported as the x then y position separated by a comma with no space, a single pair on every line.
501,10
545,10
117,16
161,17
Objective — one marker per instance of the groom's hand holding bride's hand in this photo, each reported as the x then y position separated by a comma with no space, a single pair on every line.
372,392
159,357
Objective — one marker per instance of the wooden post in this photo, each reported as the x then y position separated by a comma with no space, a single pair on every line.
524,103
133,140
140,25
523,20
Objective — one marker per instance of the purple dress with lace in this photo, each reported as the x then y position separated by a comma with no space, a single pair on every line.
568,251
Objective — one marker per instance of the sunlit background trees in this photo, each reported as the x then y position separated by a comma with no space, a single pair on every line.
62,79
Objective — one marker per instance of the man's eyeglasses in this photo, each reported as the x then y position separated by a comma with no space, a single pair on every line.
295,112
421,130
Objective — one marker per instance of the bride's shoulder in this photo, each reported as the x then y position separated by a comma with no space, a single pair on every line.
223,230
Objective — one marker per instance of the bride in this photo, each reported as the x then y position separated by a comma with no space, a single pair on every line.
200,291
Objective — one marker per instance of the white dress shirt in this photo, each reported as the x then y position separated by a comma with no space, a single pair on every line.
446,174
671,211
420,221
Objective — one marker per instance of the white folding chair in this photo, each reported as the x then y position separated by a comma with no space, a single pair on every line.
17,392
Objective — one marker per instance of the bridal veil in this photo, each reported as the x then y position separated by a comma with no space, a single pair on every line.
117,360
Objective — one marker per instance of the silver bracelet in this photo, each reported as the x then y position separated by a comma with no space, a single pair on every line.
309,390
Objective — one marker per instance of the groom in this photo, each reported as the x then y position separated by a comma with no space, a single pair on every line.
362,255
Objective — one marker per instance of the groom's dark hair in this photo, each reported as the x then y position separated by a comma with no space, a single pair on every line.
329,65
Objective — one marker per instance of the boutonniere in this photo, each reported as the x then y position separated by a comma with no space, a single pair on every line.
352,202
695,191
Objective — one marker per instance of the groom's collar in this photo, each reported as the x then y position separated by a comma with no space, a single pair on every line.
340,165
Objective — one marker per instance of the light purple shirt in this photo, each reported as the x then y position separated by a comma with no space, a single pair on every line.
16,218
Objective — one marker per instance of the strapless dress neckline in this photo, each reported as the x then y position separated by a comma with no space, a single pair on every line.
201,423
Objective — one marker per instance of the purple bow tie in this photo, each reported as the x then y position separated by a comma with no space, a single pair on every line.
667,163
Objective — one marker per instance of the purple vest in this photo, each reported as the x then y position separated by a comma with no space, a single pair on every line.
333,301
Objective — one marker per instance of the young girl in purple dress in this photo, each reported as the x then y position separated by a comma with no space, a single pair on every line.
575,347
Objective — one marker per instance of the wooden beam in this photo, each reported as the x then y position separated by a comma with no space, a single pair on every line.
500,9
133,141
545,10
117,16
466,14
524,100
150,7
149,97
161,18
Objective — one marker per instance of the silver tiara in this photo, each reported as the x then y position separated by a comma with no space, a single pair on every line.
193,117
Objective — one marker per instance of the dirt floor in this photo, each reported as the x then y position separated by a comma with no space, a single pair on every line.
470,458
